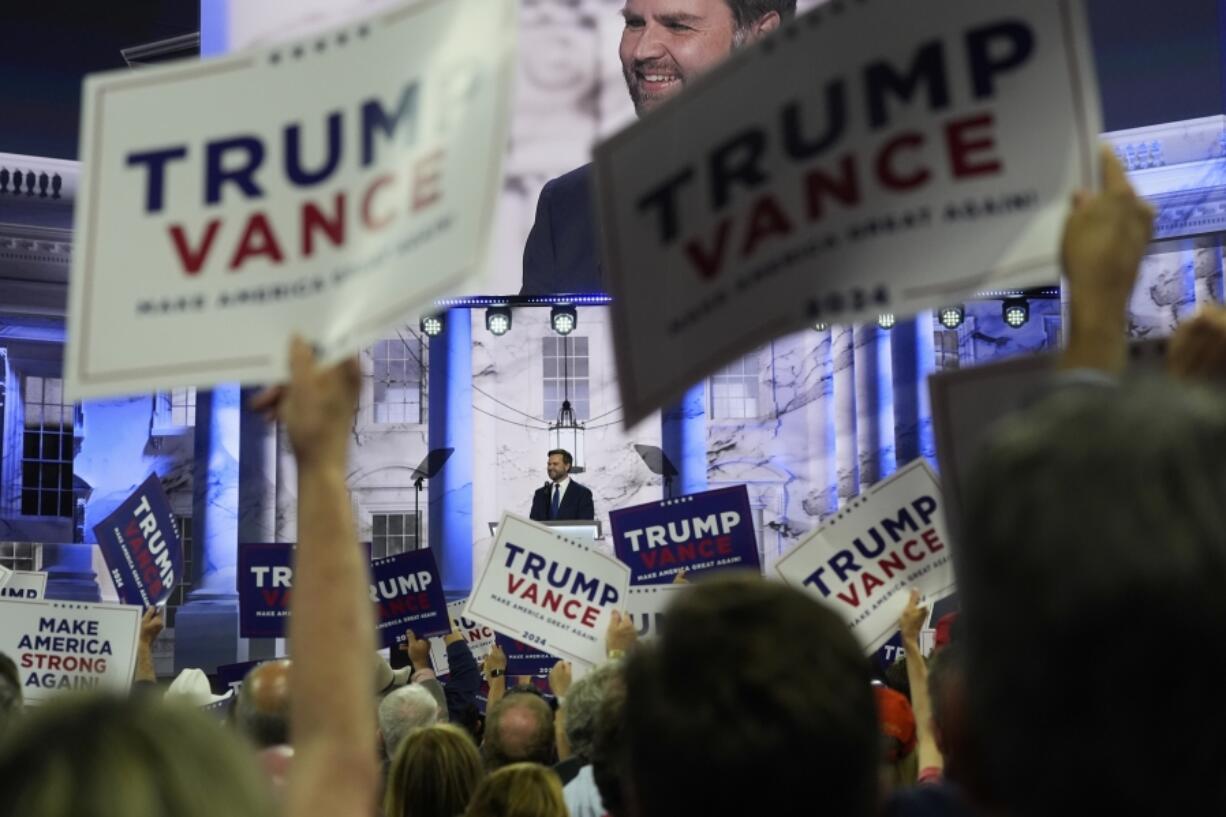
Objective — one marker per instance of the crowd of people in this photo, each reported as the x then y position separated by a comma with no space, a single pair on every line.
1079,676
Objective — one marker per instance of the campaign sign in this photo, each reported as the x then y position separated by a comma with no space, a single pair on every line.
698,533
891,539
141,546
525,659
408,592
647,605
6,573
265,577
548,590
69,645
869,158
25,584
478,637
330,185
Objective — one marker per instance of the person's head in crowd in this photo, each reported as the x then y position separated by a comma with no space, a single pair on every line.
896,721
518,729
11,699
262,711
582,706
666,44
403,710
434,773
519,790
749,680
104,756
609,748
895,677
947,696
558,463
1097,522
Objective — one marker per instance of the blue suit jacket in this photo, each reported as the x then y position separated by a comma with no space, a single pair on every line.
562,254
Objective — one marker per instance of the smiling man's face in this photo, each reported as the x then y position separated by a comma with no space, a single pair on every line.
667,43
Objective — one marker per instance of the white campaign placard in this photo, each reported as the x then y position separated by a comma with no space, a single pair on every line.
548,590
6,574
24,584
890,539
479,637
869,158
329,185
647,603
59,645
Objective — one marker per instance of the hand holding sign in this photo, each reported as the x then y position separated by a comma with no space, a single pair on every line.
560,679
317,407
912,619
1105,237
621,636
418,650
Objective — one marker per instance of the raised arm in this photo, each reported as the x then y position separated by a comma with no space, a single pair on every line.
910,623
332,715
1105,237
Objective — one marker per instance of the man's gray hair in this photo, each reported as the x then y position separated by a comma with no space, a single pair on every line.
403,710
583,702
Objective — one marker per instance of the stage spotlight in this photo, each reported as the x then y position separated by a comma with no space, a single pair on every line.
432,325
951,317
821,326
886,320
1015,311
498,320
564,319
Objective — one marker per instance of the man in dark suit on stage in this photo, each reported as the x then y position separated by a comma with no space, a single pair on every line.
665,44
562,497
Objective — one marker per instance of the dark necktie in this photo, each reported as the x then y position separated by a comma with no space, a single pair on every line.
557,498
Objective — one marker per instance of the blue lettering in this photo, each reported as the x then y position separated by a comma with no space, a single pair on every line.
293,150
375,118
215,174
155,181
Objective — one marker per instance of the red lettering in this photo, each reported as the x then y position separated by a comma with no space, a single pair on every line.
271,597
961,144
705,550
667,557
426,176
589,616
367,218
552,600
854,601
313,218
144,559
568,610
871,582
531,594
155,589
687,552
423,601
906,549
766,220
648,557
258,239
724,543
891,563
192,260
26,663
889,175
708,263
54,661
930,539
845,189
